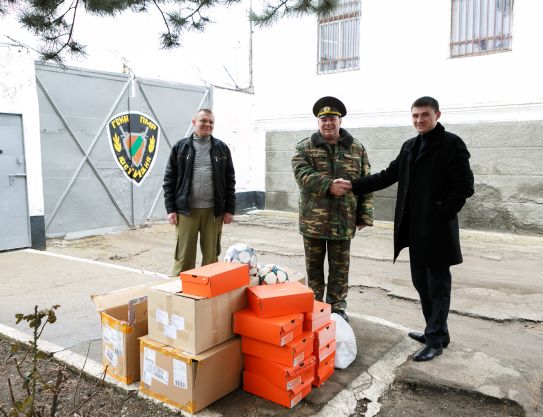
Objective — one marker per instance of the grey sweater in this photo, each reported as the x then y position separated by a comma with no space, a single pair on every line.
201,193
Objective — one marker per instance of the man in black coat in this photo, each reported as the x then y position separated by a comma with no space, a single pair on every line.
434,180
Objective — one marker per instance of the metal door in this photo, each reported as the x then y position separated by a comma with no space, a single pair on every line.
14,220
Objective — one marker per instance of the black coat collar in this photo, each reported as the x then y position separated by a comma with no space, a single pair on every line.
432,138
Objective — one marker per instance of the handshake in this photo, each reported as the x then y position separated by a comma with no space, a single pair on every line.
340,187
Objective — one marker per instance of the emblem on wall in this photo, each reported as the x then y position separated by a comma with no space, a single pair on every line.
134,139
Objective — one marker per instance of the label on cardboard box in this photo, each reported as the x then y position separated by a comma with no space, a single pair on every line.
162,317
287,338
178,322
294,382
148,365
111,356
161,375
180,374
114,337
170,331
151,370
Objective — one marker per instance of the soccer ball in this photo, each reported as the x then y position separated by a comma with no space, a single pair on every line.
271,274
241,253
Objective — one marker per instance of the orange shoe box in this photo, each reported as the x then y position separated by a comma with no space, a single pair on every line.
324,335
317,318
275,330
280,299
282,376
324,370
324,352
259,386
291,354
215,279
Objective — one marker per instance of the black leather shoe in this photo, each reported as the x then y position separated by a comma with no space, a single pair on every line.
419,337
342,314
427,353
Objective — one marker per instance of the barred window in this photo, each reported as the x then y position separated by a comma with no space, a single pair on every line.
480,27
339,38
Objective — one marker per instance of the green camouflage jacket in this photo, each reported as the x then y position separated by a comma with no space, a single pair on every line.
316,164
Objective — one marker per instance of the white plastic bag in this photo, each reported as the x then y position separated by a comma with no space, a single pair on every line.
345,343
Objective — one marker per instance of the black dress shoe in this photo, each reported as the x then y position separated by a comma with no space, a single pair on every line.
427,353
419,337
342,314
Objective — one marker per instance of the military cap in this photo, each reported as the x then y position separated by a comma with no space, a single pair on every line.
329,106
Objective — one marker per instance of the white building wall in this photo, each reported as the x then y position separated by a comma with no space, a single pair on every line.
234,124
404,54
18,96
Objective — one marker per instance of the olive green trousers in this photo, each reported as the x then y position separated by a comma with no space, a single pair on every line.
203,222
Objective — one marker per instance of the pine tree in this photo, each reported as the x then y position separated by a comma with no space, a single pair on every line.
53,21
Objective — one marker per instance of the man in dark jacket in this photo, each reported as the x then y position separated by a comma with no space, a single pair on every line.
199,192
434,180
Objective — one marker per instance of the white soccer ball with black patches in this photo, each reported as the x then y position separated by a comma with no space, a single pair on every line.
244,254
271,274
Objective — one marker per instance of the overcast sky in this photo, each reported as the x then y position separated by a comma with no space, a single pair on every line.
134,38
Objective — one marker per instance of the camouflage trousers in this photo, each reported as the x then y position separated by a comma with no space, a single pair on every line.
338,269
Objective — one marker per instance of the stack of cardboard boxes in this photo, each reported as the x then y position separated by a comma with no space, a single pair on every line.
190,338
177,336
282,357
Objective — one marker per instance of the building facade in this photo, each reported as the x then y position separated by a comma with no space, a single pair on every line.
477,57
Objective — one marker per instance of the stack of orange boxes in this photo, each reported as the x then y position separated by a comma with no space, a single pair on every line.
190,338
324,348
278,360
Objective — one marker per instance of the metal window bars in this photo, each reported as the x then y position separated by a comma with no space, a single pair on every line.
480,27
339,38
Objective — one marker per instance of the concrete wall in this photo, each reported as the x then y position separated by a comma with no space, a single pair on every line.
506,158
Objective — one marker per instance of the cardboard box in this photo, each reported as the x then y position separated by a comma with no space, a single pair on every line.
189,382
192,323
293,276
283,376
280,299
318,317
275,330
324,335
123,314
288,398
291,354
324,370
325,351
215,279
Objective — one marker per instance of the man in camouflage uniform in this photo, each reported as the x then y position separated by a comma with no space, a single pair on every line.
329,214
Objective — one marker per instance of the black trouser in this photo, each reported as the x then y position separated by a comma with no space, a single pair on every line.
434,287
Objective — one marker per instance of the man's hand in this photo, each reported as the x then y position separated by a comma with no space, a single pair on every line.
228,217
361,226
340,187
172,218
